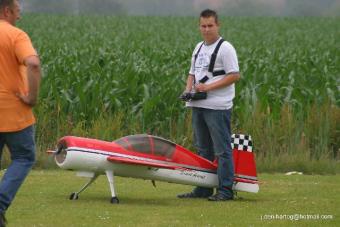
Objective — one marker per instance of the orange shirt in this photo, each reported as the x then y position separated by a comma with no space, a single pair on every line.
15,46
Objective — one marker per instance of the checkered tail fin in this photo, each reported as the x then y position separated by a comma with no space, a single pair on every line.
244,163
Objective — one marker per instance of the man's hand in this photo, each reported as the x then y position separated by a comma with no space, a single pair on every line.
202,87
185,96
27,99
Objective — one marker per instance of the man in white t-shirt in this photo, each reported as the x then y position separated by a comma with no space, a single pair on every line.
213,76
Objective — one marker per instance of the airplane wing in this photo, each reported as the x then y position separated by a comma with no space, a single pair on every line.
132,161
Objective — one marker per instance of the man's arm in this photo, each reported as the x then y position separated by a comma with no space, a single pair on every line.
33,77
190,82
226,81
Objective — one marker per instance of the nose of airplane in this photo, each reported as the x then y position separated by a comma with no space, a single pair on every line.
61,154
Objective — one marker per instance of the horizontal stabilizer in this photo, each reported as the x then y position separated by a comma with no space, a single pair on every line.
132,161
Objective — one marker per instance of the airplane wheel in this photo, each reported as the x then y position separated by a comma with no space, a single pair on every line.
73,196
114,200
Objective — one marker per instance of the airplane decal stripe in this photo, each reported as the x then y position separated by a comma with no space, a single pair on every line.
138,162
246,177
110,153
237,179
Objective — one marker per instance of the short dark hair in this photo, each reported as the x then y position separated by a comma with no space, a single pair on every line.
4,3
209,13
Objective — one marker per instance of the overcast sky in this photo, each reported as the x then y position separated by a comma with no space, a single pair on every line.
188,7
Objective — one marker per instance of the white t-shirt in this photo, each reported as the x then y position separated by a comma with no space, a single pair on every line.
226,60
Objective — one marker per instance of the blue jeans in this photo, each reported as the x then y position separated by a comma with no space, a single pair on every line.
212,137
22,149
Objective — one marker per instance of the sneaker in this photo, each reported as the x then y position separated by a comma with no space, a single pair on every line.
2,220
219,197
190,195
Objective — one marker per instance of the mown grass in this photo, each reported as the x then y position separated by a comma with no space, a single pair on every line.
43,201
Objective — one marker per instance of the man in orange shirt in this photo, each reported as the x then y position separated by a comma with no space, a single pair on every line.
20,76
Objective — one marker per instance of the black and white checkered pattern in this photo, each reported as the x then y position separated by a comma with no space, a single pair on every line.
242,142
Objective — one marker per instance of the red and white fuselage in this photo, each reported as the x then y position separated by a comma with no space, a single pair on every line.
154,158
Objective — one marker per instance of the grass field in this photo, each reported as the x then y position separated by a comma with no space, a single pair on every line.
282,201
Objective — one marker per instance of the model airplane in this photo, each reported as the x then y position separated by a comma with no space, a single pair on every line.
153,158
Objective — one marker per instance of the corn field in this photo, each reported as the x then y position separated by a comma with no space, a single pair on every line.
105,77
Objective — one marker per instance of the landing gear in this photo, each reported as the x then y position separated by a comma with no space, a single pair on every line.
109,175
74,195
110,178
114,200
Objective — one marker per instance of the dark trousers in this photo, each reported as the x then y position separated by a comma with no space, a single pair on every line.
22,150
212,137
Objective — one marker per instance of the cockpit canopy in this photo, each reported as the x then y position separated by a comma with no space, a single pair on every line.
148,144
